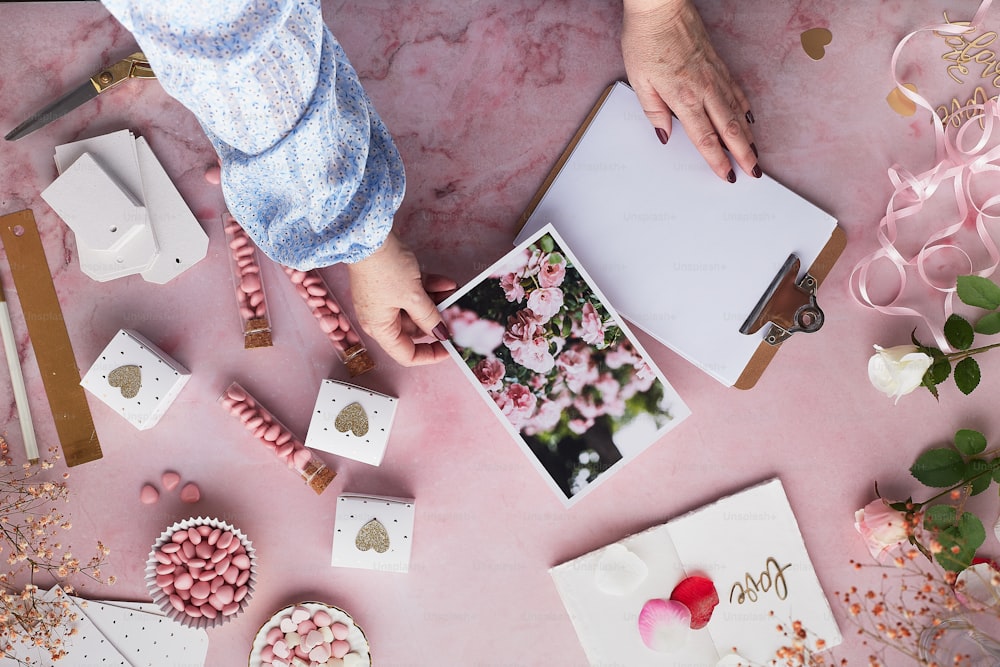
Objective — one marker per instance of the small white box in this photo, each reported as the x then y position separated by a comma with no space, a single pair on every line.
373,533
351,421
136,379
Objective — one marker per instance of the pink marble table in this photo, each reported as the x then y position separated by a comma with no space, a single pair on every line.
482,97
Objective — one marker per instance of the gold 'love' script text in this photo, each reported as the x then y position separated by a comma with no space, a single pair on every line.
771,577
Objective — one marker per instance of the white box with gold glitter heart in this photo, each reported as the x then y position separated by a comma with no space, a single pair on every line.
136,379
351,421
373,532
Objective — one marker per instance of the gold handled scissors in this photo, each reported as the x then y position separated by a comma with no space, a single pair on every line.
134,66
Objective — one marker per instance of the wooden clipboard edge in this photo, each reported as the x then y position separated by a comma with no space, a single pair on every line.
561,162
819,270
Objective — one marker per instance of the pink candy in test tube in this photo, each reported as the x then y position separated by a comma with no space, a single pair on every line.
249,285
333,320
273,435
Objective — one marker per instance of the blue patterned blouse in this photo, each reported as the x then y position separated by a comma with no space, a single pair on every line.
308,167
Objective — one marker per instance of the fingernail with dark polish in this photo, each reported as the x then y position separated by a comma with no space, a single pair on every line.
753,147
441,331
757,173
662,135
750,118
731,176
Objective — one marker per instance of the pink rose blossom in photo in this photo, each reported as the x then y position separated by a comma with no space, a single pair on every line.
552,275
545,302
533,354
546,419
591,330
521,328
470,331
620,355
490,373
580,426
513,263
512,289
517,404
578,370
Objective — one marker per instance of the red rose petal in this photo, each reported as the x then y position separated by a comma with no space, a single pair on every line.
699,595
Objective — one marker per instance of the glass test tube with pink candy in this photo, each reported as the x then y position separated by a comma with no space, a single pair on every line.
333,320
273,435
249,285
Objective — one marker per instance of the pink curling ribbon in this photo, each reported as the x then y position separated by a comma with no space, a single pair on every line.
959,160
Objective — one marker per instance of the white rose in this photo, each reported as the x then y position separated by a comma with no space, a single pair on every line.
897,371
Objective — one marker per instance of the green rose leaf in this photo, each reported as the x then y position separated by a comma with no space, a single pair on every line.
959,332
967,375
960,536
970,442
978,471
555,258
940,369
546,243
978,291
989,324
940,517
939,468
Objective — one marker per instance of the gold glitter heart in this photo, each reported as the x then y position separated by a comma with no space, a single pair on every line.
372,536
900,103
353,419
128,378
814,40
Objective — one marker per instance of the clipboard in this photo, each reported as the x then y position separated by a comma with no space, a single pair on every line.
683,255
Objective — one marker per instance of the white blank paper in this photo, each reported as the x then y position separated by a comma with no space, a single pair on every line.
681,253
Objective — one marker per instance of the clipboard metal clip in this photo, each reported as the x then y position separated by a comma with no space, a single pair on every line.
789,306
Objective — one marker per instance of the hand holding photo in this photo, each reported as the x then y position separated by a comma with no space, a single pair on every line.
558,365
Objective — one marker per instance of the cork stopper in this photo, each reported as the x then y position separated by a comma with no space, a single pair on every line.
257,333
357,360
321,479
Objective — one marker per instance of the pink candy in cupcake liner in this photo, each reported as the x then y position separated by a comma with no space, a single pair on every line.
249,285
275,436
310,633
332,319
201,572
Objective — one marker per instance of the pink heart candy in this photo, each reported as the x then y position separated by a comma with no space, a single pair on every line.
148,495
288,625
190,493
170,480
320,653
340,631
280,649
339,648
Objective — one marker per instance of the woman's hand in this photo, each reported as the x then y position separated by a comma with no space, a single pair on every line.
672,66
395,303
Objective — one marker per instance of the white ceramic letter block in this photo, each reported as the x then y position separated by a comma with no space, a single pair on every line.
136,379
351,421
373,533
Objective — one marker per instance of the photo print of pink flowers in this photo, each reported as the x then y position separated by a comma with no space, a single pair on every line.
558,365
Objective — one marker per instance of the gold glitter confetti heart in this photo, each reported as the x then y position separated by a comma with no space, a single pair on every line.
372,536
353,419
128,378
900,103
814,41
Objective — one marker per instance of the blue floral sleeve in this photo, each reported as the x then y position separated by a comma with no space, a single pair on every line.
308,167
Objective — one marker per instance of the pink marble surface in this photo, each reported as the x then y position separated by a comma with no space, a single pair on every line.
482,97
